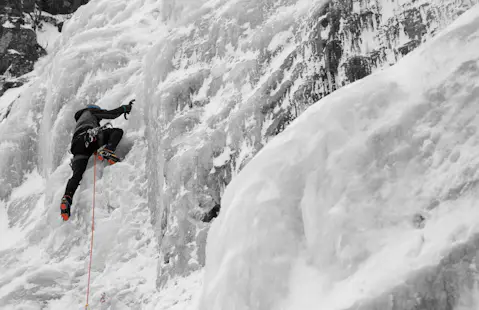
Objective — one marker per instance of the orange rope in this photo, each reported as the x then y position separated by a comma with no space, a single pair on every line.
92,230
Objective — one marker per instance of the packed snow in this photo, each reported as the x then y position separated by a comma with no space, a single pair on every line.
322,217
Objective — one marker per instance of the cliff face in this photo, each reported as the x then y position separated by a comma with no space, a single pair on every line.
18,42
284,68
321,217
20,24
19,50
349,40
60,6
246,80
214,82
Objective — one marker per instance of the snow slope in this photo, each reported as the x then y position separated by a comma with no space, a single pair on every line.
322,217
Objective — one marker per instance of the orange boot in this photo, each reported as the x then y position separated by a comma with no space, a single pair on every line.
65,207
105,154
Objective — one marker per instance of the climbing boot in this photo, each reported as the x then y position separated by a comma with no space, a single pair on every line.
105,154
65,207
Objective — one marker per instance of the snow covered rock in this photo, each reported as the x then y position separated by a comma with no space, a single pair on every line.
28,31
18,50
322,217
348,40
215,108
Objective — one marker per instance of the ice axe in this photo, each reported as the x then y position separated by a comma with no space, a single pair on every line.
131,105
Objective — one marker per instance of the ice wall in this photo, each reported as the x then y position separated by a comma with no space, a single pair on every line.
326,215
214,81
43,261
205,88
229,75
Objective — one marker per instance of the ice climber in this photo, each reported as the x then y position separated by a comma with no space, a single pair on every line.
90,138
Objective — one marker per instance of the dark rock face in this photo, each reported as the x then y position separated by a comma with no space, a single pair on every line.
17,7
60,6
18,50
18,41
357,67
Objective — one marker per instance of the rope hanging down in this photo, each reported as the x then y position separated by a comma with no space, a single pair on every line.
92,231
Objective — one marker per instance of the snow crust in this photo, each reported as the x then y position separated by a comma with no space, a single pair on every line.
326,207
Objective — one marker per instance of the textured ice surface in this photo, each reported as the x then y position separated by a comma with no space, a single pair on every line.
203,73
326,208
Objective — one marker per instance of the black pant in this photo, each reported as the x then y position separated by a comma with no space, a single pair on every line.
110,136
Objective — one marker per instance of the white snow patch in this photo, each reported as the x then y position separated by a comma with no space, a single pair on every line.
9,96
8,24
279,40
389,8
33,184
47,36
179,294
12,51
223,158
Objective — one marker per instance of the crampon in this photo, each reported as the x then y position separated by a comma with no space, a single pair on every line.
105,154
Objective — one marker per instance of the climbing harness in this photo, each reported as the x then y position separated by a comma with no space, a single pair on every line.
91,135
92,233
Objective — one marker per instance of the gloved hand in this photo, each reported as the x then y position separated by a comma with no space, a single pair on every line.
127,107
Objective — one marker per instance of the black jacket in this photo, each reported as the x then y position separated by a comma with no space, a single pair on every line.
90,118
